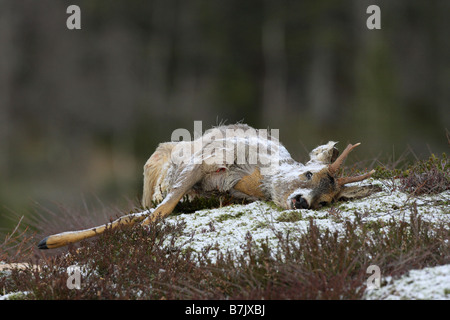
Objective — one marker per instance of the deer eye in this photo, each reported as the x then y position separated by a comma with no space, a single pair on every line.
308,175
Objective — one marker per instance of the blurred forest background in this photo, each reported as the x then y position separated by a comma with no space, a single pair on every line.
82,110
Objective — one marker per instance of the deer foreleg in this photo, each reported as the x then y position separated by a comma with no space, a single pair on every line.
186,180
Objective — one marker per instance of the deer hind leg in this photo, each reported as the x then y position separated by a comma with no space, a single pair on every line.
187,177
155,174
163,210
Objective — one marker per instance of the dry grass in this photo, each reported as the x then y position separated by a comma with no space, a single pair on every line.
428,177
144,263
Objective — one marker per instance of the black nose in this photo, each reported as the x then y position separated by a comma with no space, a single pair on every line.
300,202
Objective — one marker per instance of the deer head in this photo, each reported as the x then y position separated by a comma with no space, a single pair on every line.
316,184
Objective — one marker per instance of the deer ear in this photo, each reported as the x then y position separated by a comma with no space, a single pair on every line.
335,155
357,192
324,154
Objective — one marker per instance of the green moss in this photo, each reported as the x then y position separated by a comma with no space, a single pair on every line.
199,203
260,224
227,216
373,226
290,216
211,201
384,173
274,206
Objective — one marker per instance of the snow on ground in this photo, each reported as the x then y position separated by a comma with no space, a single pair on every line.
227,228
426,284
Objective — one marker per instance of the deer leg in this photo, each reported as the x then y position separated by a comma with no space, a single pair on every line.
251,184
64,238
182,185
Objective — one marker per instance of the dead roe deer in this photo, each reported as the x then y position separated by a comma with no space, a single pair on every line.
241,162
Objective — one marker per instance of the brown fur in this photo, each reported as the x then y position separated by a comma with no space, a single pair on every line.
251,184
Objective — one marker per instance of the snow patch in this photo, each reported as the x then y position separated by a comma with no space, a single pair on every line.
425,284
